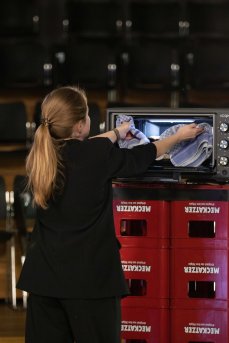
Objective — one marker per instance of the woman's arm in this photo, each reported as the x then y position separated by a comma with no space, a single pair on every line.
117,133
186,132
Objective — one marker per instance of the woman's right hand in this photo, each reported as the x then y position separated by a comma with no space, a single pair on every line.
188,131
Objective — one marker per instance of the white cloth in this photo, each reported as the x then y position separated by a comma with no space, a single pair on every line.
191,153
138,137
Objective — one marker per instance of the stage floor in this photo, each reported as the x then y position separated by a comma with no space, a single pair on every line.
11,324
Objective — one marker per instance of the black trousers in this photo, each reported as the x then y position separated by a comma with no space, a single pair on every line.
72,320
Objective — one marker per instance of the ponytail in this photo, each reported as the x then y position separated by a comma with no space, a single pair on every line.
42,164
61,110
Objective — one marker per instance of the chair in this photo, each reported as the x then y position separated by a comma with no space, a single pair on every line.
7,237
25,63
158,18
95,115
152,66
24,211
88,18
37,114
18,18
206,66
24,217
91,63
15,129
208,18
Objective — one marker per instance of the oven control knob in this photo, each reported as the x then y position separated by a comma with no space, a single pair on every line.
223,144
223,161
223,127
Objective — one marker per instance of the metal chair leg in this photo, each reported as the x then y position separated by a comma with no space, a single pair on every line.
24,294
12,294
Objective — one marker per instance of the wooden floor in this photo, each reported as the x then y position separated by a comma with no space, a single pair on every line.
12,324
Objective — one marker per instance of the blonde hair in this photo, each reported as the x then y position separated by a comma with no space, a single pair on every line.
60,111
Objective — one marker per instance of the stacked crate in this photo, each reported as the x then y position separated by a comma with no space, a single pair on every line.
199,264
142,227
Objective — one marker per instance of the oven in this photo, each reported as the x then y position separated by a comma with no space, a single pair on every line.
154,121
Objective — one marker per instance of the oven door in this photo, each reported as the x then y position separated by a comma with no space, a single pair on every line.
156,122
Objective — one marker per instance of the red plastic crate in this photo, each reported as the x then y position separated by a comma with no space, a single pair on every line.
204,188
141,221
199,276
199,325
151,325
200,223
134,302
147,274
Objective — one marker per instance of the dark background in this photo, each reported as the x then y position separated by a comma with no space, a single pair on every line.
157,52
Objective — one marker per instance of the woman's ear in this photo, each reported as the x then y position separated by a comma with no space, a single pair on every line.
77,129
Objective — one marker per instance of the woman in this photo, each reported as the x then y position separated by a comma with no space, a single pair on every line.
72,271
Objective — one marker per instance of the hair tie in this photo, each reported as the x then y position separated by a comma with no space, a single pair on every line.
45,121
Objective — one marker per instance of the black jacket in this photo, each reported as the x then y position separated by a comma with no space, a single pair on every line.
74,252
